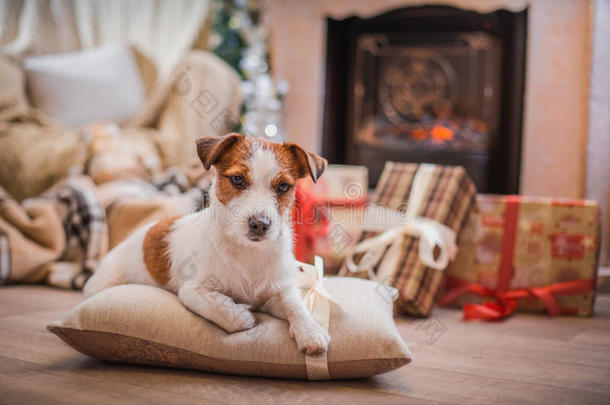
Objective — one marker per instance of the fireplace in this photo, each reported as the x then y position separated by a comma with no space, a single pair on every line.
428,84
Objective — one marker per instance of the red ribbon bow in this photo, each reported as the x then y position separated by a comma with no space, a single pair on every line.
506,301
311,220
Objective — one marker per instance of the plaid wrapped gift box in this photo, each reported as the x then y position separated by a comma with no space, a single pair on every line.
526,253
447,197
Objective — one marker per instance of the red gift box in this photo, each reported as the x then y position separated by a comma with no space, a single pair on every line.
321,208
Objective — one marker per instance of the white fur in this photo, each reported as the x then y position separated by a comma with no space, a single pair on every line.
217,271
258,199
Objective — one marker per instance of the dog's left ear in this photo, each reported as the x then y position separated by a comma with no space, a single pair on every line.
210,148
307,162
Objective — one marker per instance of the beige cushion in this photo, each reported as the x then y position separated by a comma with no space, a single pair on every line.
147,325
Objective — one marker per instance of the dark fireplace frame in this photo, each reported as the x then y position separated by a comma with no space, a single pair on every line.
504,165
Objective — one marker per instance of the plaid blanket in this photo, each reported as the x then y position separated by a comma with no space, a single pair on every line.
84,223
60,237
175,181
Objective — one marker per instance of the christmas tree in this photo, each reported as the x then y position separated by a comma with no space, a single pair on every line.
240,39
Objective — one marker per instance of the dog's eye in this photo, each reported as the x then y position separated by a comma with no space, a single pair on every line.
237,181
283,187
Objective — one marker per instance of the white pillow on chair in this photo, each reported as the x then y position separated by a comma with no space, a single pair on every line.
82,87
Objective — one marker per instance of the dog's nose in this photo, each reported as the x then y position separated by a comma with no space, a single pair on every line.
258,225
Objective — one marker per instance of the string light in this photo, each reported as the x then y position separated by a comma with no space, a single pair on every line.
270,130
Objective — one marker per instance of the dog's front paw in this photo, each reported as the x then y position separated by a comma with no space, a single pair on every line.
240,318
311,338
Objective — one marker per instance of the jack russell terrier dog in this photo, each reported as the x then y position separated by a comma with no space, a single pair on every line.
235,255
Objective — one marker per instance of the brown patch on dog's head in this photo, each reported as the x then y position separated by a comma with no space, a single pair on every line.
232,156
229,155
306,162
210,148
155,250
294,163
286,176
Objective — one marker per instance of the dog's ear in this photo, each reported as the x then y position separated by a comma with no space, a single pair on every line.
209,148
307,162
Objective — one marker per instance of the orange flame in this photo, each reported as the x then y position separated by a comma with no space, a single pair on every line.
441,134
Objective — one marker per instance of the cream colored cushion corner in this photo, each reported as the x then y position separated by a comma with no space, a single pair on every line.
78,88
147,325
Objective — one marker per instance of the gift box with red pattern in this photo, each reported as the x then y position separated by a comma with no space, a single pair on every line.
525,253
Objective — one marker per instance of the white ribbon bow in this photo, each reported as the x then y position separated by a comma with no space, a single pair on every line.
430,233
317,300
312,278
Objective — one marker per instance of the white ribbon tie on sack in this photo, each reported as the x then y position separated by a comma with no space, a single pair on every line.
313,280
317,301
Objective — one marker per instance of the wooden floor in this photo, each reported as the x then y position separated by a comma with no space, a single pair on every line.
526,359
